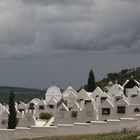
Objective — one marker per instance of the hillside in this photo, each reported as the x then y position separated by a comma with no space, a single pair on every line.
120,77
22,94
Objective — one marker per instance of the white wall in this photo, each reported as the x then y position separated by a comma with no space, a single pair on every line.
75,129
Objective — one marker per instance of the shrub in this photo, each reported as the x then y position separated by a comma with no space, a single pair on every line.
45,116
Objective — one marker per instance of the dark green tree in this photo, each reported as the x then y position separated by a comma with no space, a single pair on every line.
12,120
91,82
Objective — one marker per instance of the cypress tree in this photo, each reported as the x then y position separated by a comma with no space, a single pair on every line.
12,120
91,82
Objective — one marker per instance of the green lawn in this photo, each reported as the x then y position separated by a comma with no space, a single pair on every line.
111,136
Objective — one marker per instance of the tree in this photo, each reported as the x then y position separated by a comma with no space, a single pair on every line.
12,120
91,82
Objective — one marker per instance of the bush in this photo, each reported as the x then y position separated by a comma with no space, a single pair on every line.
45,116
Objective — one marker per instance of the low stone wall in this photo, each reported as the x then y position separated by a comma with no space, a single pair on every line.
94,127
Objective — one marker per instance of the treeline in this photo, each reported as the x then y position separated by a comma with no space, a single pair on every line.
120,77
22,94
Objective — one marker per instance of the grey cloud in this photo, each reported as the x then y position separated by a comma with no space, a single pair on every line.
44,27
58,2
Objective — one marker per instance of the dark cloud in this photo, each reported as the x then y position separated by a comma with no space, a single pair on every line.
42,27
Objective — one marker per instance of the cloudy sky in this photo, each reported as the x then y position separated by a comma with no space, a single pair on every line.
47,41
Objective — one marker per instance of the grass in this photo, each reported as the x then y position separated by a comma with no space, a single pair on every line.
110,136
